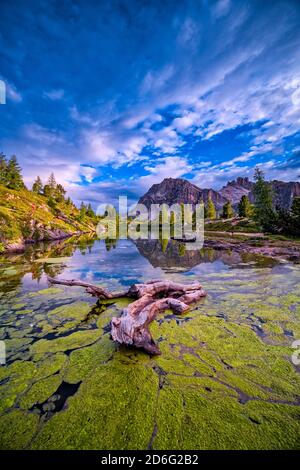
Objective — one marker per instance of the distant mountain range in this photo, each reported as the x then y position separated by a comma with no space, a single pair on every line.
178,190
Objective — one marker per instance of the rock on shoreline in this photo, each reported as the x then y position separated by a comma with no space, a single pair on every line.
19,246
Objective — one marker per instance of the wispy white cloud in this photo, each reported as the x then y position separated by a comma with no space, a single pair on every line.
221,8
173,167
43,135
55,95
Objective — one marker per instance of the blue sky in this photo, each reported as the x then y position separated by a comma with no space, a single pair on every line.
114,96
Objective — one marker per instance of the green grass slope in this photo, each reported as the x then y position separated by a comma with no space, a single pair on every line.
233,225
25,215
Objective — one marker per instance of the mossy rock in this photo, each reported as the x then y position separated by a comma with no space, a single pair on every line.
189,420
50,291
84,361
76,340
40,391
76,310
23,312
51,365
15,380
119,415
17,428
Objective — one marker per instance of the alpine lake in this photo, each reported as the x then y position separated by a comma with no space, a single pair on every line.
225,378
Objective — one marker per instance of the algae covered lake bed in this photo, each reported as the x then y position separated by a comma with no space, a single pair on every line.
224,380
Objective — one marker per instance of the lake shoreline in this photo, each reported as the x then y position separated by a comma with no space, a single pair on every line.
287,250
21,245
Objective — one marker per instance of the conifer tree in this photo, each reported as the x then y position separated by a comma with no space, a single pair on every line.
3,169
211,210
37,186
264,212
295,217
13,174
295,209
50,187
47,190
59,193
52,181
227,211
90,211
82,212
245,208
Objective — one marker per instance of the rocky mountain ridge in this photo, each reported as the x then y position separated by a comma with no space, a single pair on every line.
178,190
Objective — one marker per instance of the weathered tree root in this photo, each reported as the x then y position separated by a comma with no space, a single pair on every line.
132,327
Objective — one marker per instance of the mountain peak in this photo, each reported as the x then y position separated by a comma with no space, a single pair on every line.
241,181
235,189
177,191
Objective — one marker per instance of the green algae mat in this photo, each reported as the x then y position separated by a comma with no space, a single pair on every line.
225,379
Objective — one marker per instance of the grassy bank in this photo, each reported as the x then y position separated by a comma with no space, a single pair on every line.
27,216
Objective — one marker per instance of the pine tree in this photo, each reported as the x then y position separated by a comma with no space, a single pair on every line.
37,186
52,203
211,210
89,211
82,212
50,188
227,211
59,193
295,209
13,174
52,181
245,209
295,217
288,221
47,190
264,212
3,169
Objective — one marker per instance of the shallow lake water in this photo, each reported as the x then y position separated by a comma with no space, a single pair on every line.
224,380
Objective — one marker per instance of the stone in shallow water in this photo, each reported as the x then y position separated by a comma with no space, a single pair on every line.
76,310
50,365
50,291
40,391
83,362
14,380
76,340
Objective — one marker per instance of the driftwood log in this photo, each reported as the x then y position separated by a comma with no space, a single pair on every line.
132,327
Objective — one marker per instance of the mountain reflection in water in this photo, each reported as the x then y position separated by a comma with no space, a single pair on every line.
116,262
173,254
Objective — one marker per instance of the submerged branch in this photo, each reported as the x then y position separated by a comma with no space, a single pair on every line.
153,297
96,291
